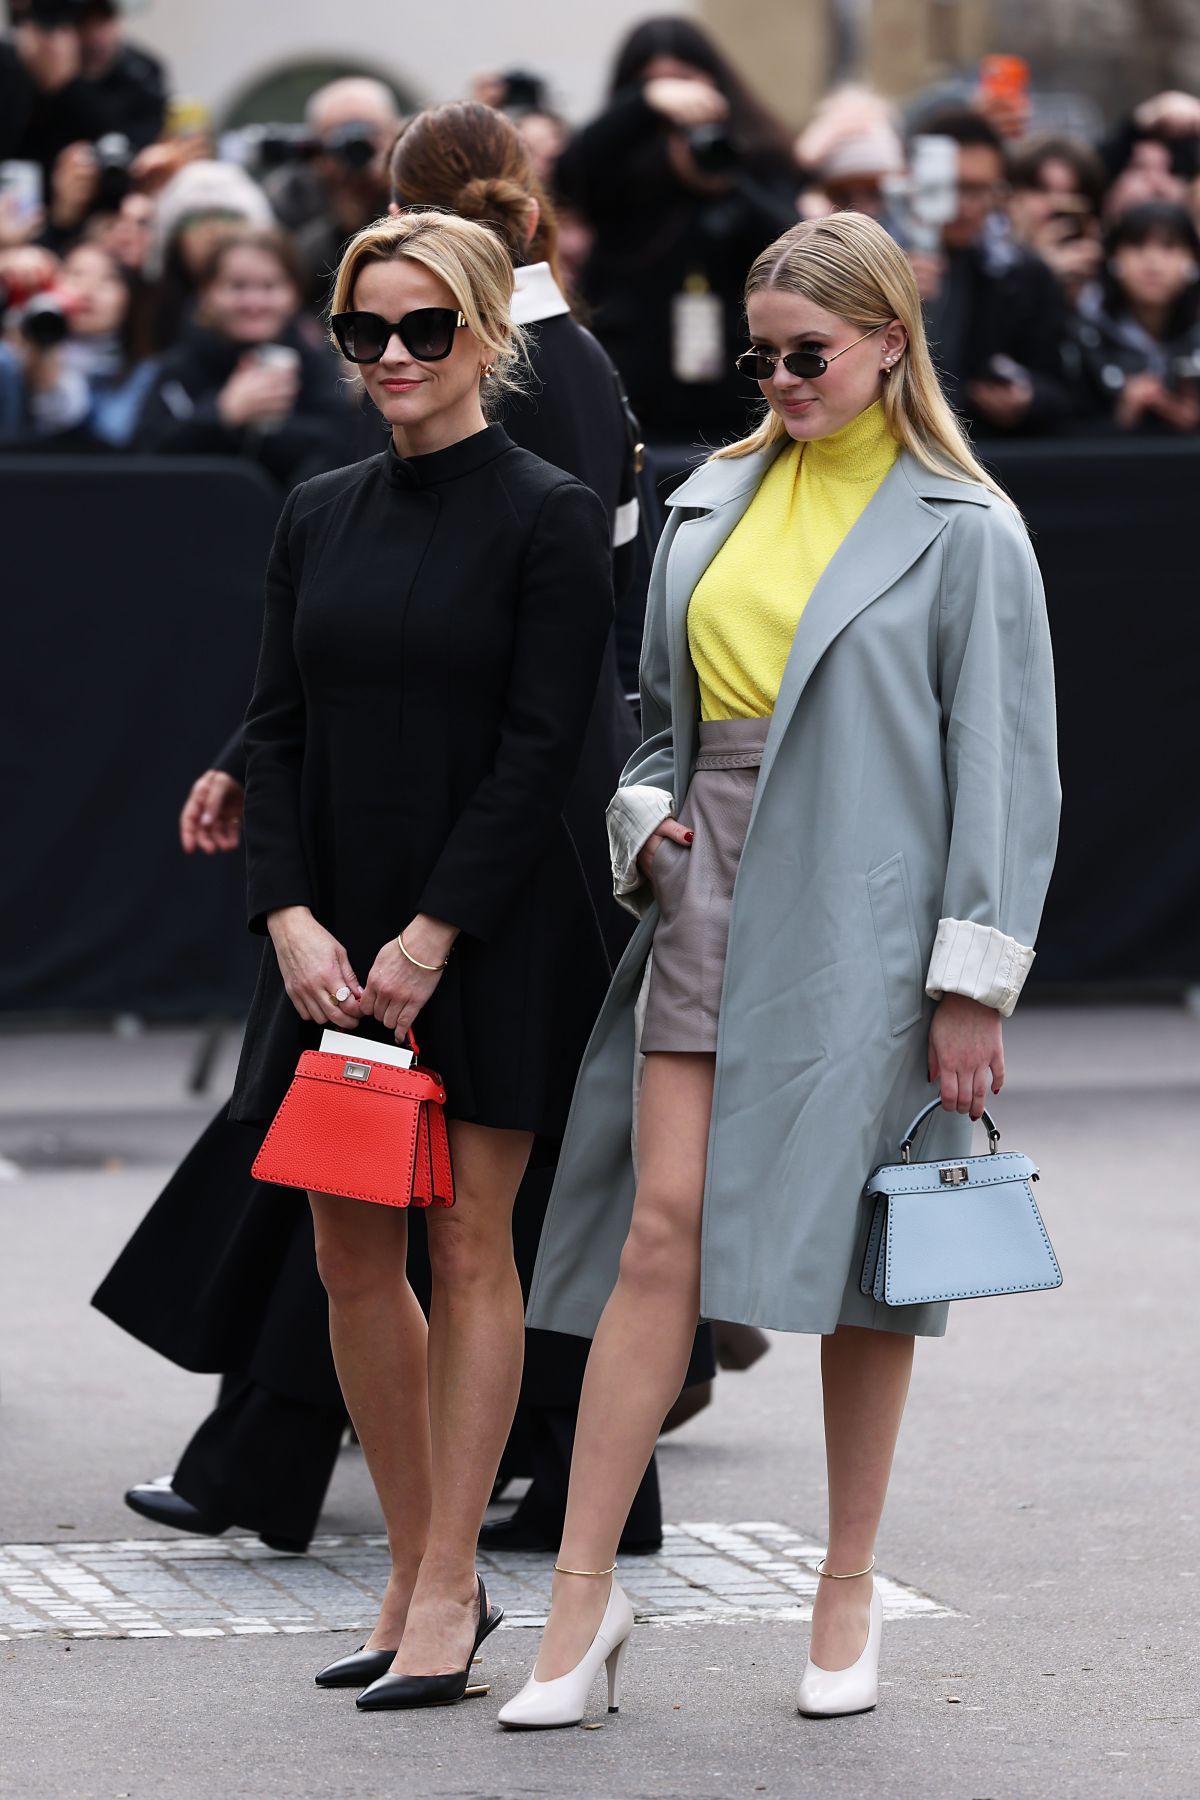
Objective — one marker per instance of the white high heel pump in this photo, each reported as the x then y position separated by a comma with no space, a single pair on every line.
563,1701
830,1693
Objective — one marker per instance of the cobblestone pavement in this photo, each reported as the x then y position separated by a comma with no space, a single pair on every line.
237,1587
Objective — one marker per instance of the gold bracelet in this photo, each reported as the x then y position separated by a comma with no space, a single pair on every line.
559,1570
430,968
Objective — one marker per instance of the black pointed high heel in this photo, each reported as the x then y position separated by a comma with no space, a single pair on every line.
392,1692
355,1670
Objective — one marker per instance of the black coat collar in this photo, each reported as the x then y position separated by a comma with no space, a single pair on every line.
463,458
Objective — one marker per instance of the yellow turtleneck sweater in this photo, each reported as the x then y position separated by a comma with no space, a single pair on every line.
745,607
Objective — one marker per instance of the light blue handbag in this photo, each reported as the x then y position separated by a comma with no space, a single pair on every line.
957,1229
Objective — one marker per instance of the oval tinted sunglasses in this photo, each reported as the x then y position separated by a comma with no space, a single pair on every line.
806,365
427,334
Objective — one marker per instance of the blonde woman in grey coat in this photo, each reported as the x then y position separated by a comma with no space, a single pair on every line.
838,832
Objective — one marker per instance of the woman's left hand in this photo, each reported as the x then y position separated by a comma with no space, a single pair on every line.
396,989
966,1053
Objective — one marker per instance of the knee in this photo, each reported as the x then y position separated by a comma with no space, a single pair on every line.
352,1271
463,1257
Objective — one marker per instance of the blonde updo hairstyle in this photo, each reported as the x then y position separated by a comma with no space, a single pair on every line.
849,265
475,266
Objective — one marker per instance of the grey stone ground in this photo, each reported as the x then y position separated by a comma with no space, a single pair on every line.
1044,1497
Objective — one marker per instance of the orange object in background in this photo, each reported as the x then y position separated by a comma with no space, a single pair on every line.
1003,93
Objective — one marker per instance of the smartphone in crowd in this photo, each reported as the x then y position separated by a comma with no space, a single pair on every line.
21,186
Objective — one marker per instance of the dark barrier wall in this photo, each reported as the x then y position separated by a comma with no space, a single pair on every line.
1115,531
132,607
132,610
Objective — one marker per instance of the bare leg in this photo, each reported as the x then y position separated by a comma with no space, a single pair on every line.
476,1345
865,1375
640,1354
377,1331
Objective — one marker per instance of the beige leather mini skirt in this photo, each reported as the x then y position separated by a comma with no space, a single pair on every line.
694,888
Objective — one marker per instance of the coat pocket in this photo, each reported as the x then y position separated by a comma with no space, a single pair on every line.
896,941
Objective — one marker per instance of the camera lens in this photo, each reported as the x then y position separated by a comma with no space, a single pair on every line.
44,324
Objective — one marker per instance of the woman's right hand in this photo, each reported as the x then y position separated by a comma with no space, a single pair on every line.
211,819
314,966
684,102
255,393
670,828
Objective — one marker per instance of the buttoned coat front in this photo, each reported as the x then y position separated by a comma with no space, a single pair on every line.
909,776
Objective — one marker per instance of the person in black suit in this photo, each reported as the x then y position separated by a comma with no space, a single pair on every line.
219,1276
416,723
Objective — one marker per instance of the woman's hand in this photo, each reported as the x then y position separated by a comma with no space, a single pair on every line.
396,989
1141,394
966,1051
256,394
685,102
314,966
212,814
670,828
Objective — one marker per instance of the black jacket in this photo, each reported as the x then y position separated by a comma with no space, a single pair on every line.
34,126
574,415
1105,349
180,415
1001,299
653,235
432,641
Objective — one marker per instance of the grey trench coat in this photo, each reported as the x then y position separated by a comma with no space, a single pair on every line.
909,783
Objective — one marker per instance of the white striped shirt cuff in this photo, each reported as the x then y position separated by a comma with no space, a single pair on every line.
633,814
980,962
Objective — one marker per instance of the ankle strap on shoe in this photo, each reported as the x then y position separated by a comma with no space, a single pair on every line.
853,1575
559,1570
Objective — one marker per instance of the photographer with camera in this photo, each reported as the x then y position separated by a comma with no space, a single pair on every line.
683,179
331,180
1137,341
995,315
1056,185
68,77
73,375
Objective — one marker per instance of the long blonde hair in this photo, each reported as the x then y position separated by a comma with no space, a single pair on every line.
848,265
473,263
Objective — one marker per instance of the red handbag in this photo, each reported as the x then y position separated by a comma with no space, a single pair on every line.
364,1130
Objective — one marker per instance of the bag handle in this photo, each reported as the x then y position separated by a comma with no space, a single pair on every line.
412,1044
906,1142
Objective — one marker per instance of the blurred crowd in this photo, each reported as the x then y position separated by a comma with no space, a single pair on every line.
162,287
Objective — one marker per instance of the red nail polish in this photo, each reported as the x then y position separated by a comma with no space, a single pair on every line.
689,837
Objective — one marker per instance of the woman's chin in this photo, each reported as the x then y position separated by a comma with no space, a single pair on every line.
806,423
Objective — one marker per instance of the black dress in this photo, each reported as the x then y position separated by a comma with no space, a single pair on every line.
432,641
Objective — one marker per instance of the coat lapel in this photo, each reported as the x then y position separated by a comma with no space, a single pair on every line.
892,531
723,490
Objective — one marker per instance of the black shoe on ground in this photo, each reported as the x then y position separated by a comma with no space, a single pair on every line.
158,1500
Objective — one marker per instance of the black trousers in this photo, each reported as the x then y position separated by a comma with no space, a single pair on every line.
262,1461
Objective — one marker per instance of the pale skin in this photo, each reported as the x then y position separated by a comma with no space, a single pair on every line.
641,1347
432,1406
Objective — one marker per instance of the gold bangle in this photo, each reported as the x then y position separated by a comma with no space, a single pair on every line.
430,968
852,1576
559,1570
